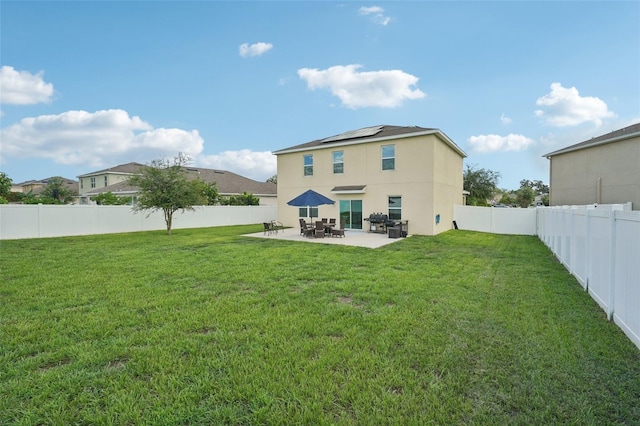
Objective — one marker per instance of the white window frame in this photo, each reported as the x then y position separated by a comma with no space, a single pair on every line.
307,166
397,209
338,163
387,157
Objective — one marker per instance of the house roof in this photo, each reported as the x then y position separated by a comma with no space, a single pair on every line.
126,169
232,183
227,182
371,134
614,136
70,183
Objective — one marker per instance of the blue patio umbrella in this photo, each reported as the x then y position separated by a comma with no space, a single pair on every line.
310,198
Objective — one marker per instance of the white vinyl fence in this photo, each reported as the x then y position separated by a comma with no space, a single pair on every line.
39,221
601,248
599,245
495,220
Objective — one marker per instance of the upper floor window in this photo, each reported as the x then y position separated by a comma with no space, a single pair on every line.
395,208
338,162
106,181
308,165
93,182
81,183
388,157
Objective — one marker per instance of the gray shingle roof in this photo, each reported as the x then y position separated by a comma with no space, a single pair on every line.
231,183
128,168
614,136
386,132
69,183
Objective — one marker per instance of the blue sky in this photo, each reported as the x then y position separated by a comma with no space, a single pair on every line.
90,85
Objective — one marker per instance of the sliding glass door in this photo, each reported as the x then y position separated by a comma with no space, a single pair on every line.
351,214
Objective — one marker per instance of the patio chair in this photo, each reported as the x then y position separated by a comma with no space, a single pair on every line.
268,228
325,220
332,222
337,233
319,229
305,230
277,226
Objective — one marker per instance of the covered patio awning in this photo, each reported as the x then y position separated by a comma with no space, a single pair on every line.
349,189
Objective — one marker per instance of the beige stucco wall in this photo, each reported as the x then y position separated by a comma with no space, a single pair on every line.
427,175
604,174
112,178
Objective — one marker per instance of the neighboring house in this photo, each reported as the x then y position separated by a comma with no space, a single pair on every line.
36,186
16,187
408,173
93,183
602,170
115,180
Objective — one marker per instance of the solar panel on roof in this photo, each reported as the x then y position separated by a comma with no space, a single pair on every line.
351,134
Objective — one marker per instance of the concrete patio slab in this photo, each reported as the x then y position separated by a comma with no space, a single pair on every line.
351,238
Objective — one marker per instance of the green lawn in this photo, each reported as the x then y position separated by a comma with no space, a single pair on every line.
209,327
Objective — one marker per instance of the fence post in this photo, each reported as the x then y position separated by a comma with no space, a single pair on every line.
587,249
571,241
612,265
40,215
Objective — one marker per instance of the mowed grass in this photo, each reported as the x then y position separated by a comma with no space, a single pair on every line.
209,327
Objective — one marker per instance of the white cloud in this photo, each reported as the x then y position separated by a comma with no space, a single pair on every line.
376,14
493,143
23,88
564,107
363,89
99,139
505,120
252,164
256,49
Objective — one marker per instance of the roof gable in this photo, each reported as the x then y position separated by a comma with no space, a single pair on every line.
614,136
129,168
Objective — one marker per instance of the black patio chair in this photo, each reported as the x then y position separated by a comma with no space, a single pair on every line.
268,228
305,230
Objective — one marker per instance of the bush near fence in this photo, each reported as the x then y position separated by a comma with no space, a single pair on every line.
40,221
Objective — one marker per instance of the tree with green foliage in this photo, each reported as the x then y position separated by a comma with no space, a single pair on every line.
57,192
273,179
164,186
208,192
507,198
538,187
111,199
525,196
244,199
482,184
5,187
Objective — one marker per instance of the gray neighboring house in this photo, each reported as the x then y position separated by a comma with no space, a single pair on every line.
115,180
602,170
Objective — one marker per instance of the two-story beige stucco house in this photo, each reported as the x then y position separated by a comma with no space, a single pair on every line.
602,170
94,182
411,174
